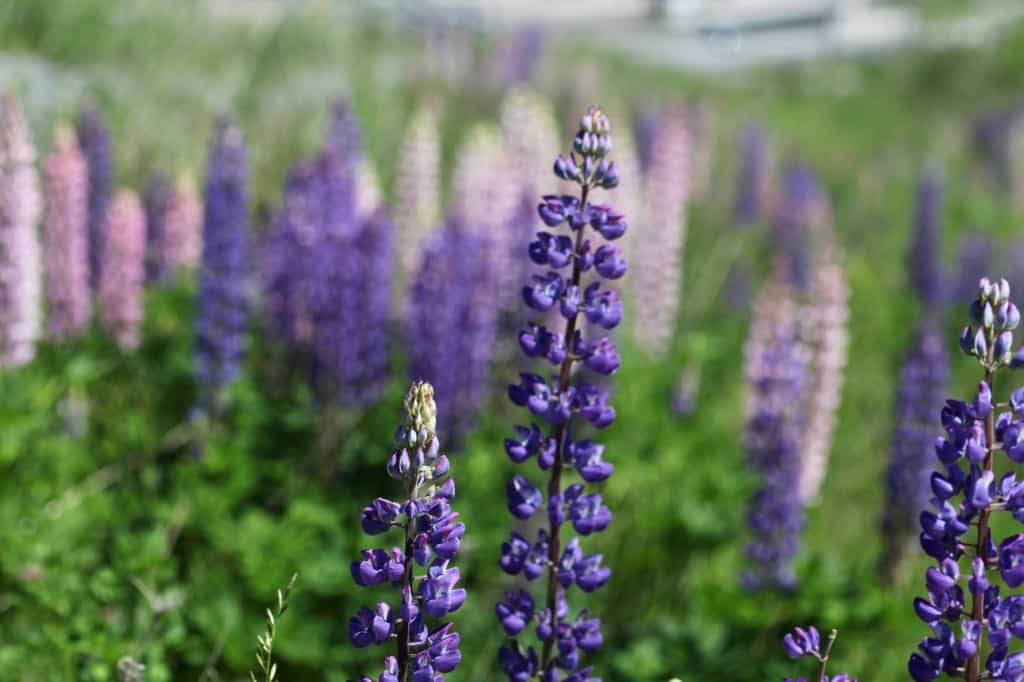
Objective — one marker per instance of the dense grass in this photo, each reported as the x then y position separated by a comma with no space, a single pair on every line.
279,484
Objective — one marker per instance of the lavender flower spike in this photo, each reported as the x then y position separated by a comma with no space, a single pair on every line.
94,139
123,273
20,205
658,257
561,404
806,643
222,312
919,397
971,617
65,240
431,534
924,258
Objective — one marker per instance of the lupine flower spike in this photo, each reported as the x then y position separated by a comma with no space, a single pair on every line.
123,272
222,313
971,619
564,564
20,206
65,240
94,139
431,535
181,240
418,185
806,643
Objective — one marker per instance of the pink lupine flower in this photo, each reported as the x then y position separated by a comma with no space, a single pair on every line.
123,269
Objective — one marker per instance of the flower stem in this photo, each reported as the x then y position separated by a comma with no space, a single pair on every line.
555,483
981,549
824,657
402,649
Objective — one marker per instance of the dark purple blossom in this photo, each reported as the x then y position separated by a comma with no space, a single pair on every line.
924,257
222,312
156,200
970,619
94,140
432,535
806,643
559,401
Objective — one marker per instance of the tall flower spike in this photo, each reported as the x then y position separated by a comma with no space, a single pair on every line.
65,240
924,257
155,200
659,256
181,240
418,185
94,139
123,275
972,620
919,397
562,403
974,260
752,181
823,328
222,312
420,569
451,344
776,373
20,206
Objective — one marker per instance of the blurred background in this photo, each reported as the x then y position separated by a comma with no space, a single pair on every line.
181,434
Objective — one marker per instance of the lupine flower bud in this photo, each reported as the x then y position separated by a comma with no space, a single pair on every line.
222,312
806,643
94,139
123,275
430,528
65,240
418,185
658,257
20,206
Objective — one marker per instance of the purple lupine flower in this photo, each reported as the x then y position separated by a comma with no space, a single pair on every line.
94,139
156,200
432,535
646,128
991,135
181,239
924,258
20,206
518,57
776,373
123,275
561,403
806,643
418,185
919,397
975,259
800,207
750,202
65,240
344,139
971,620
529,132
1015,264
823,323
451,324
351,290
222,312
659,256
684,393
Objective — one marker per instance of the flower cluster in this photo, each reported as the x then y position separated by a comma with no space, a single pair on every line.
123,275
65,240
965,608
920,396
20,206
432,535
94,139
565,640
776,373
659,256
451,345
222,311
418,185
806,643
924,258
155,200
181,239
750,202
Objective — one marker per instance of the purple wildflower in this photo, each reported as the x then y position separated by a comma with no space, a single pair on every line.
222,312
750,202
806,643
975,259
776,372
924,258
65,240
560,404
156,200
432,535
20,206
451,325
123,275
919,398
971,620
94,139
